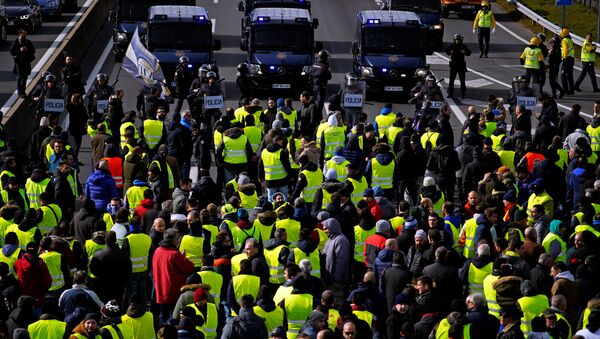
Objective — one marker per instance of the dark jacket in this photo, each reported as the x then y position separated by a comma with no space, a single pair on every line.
112,268
444,276
77,119
203,144
393,280
63,193
512,331
444,162
203,191
309,118
23,58
407,155
246,325
483,324
179,141
457,53
83,224
541,279
383,261
22,316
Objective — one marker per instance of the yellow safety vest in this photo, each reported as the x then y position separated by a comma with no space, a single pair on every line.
340,169
497,142
282,293
48,329
217,139
384,122
490,126
507,158
248,201
455,232
334,136
314,259
126,331
292,227
134,196
142,327
240,235
588,52
275,267
34,189
320,129
531,307
297,309
292,117
594,134
543,199
214,231
272,319
332,318
382,175
25,237
123,129
254,135
72,180
194,249
532,57
476,277
364,315
170,176
444,327
430,137
391,133
359,189
235,263
215,281
139,249
4,194
235,150
52,215
547,242
92,247
264,230
470,229
297,145
53,261
10,261
245,284
314,180
272,163
153,131
490,295
211,321
360,236
485,19
567,49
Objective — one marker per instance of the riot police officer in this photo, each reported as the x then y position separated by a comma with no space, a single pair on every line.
50,90
319,76
97,97
352,86
184,75
243,81
457,52
210,88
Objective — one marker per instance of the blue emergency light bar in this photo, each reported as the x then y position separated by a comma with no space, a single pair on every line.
264,18
199,17
372,21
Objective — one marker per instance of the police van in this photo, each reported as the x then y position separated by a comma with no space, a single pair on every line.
247,6
280,44
129,15
388,47
176,31
430,13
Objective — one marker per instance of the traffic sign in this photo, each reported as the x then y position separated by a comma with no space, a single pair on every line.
564,2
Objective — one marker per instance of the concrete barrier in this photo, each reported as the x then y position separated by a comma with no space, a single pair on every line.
20,120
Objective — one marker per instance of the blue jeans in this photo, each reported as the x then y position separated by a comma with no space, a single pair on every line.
271,192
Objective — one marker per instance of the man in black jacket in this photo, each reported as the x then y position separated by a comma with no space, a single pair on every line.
23,53
457,52
310,117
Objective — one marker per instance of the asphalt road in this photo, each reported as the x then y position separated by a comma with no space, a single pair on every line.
486,76
45,40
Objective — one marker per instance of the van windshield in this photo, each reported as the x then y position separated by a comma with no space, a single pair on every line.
400,40
432,6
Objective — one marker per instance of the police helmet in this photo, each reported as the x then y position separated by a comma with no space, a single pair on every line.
430,77
457,37
542,37
485,4
46,73
211,74
101,77
323,55
183,59
242,68
50,78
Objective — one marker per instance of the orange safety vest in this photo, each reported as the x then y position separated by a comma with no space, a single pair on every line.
115,167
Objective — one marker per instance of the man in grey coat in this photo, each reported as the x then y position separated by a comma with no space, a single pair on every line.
337,258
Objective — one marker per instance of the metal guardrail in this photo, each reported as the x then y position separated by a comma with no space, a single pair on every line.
554,28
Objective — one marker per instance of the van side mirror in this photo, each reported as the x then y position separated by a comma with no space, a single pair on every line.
216,45
241,6
315,22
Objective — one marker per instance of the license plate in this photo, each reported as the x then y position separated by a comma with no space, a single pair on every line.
282,86
468,6
10,23
393,89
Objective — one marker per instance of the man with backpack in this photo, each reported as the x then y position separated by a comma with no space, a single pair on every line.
246,324
443,163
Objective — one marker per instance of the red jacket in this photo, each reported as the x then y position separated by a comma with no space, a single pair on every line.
373,244
145,206
34,277
375,210
170,269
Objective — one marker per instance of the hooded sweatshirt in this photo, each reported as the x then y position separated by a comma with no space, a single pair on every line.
34,277
383,111
337,254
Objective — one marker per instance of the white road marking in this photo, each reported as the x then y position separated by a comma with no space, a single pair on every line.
473,102
475,83
214,22
435,60
216,1
42,61
98,66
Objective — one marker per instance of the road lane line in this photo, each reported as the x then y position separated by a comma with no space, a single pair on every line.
41,62
214,23
98,66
